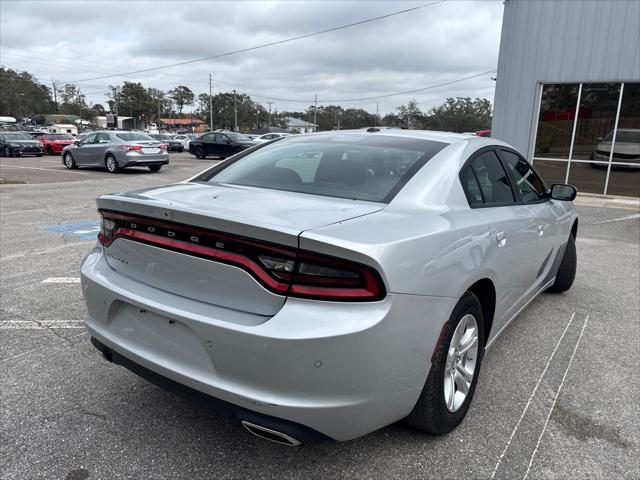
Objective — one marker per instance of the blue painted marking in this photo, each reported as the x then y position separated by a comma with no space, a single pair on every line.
87,230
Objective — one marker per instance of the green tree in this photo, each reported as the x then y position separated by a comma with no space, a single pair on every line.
182,96
72,100
461,114
97,110
130,99
411,115
22,95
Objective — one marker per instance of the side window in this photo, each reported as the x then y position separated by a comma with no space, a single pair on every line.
471,188
530,185
222,138
492,180
91,138
209,138
103,138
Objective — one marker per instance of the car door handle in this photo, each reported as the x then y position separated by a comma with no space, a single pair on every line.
540,230
501,237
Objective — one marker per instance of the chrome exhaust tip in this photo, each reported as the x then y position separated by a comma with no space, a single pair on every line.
270,434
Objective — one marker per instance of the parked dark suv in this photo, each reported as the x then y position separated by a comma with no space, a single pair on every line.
220,144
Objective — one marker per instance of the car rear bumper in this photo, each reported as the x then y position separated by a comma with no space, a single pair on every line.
25,150
220,407
341,369
145,163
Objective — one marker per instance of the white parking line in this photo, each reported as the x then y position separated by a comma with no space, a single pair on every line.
526,407
4,165
619,219
39,325
546,422
62,280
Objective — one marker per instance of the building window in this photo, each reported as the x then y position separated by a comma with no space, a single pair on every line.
579,126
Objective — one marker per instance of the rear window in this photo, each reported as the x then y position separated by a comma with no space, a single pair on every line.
134,137
361,167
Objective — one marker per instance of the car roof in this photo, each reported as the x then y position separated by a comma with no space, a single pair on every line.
444,137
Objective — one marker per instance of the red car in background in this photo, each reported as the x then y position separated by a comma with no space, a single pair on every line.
53,143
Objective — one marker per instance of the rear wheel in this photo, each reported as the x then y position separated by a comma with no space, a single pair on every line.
112,164
198,152
69,162
6,152
567,271
455,366
38,154
155,168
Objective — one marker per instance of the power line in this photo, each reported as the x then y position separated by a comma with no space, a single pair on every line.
270,44
405,92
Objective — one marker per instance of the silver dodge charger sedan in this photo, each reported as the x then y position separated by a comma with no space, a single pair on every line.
323,286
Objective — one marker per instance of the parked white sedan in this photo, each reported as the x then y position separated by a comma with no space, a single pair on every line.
185,138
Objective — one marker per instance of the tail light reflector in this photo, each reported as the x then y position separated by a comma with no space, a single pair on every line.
130,147
282,270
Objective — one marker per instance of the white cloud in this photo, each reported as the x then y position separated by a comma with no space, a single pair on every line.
75,41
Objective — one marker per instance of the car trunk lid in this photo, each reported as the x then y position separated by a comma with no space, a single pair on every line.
174,242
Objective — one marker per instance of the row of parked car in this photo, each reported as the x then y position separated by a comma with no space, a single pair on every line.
117,149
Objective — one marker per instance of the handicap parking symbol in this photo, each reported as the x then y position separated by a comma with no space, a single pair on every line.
87,230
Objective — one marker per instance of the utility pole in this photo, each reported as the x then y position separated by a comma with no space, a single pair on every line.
210,105
55,94
159,113
257,118
377,116
269,120
315,109
235,113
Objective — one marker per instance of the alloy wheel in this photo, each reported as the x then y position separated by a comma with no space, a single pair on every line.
68,160
112,166
461,362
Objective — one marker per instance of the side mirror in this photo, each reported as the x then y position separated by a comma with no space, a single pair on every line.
564,192
76,143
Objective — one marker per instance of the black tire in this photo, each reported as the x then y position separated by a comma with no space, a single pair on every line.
38,154
112,164
155,168
430,413
567,270
69,162
197,151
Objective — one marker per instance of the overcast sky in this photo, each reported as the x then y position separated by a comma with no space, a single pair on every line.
71,41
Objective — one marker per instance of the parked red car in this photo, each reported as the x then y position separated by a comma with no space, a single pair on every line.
53,143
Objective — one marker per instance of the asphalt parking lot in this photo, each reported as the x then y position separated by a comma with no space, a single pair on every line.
557,396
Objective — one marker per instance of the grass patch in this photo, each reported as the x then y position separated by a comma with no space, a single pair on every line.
8,181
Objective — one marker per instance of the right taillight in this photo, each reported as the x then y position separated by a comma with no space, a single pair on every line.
329,278
281,270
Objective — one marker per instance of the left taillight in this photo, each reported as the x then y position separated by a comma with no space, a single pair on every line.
130,147
281,270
